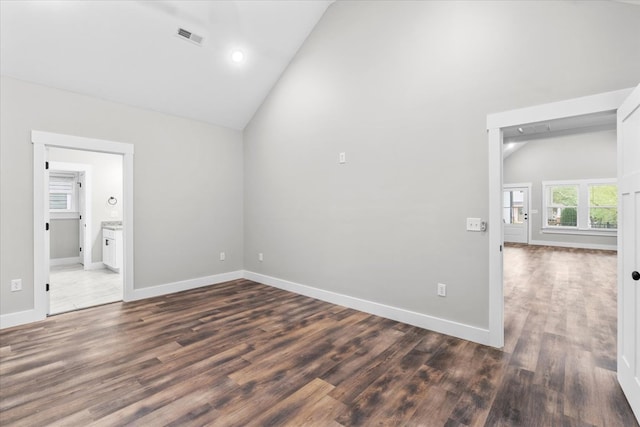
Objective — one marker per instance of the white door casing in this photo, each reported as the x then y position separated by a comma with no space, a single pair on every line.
629,249
83,217
41,142
516,212
496,122
47,234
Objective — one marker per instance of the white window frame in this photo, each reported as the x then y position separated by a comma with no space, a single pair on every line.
582,226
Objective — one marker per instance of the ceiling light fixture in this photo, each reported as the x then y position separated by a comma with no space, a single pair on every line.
237,56
520,130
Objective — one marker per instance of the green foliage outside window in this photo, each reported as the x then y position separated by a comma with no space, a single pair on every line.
603,202
569,217
565,196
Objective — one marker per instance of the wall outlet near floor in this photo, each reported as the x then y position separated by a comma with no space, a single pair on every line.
223,256
260,257
16,285
442,290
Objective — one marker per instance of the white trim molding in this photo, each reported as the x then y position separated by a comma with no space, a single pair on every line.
436,324
65,261
575,245
184,285
10,320
29,316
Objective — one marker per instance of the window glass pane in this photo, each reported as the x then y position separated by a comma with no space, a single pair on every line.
564,217
565,195
603,202
562,208
506,206
603,217
59,201
603,195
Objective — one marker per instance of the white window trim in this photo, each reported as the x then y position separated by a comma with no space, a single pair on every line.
582,227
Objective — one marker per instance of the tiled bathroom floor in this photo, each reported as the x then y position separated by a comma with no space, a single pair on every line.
72,288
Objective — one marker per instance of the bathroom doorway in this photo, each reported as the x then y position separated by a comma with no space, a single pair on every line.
85,195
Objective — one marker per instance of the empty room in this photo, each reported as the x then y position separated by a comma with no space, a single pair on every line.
319,213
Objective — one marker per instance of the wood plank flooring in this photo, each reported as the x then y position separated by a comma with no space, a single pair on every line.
244,354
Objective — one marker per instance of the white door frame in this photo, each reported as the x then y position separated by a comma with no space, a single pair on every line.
41,141
526,186
86,243
600,103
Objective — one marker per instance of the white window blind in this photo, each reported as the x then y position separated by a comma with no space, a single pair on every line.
62,192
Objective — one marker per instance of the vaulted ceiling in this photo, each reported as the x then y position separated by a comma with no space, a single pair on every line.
130,52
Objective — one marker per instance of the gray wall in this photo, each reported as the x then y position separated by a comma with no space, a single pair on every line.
64,238
106,177
404,89
187,185
580,156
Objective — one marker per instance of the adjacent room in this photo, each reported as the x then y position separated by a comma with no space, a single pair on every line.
319,212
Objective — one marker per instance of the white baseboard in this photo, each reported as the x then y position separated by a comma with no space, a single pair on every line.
64,261
183,285
574,245
18,318
459,330
95,266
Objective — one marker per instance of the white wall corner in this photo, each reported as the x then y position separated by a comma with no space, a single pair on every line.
458,330
183,285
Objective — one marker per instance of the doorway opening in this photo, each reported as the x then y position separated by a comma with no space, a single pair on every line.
515,202
81,184
565,114
105,209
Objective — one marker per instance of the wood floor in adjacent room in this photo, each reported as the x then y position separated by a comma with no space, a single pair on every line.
244,354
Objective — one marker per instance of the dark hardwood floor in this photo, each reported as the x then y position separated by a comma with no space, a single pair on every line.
244,354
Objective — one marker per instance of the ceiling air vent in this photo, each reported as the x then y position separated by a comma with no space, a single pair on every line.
188,35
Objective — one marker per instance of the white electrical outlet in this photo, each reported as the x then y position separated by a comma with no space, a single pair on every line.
442,290
223,256
260,257
342,158
475,224
16,285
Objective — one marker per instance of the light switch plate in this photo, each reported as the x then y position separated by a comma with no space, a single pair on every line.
16,285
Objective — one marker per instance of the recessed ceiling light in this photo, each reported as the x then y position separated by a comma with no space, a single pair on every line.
237,56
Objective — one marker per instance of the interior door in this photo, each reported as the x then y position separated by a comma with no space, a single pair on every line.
47,234
82,223
629,249
515,214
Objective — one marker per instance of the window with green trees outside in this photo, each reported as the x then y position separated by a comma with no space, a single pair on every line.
603,206
582,205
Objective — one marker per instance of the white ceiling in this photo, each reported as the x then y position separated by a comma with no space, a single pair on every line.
516,137
128,51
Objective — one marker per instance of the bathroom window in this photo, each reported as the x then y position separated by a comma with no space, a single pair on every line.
63,194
